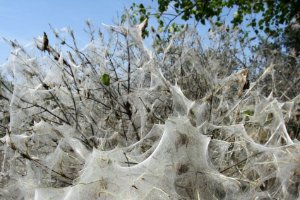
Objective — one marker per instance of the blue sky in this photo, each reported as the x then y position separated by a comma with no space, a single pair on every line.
23,20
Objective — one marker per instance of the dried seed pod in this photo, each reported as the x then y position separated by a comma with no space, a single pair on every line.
45,42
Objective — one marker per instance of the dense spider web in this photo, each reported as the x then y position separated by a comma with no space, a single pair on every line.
232,143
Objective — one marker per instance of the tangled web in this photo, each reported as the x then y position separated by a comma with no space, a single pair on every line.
147,134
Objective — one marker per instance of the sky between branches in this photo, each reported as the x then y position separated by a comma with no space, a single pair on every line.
24,20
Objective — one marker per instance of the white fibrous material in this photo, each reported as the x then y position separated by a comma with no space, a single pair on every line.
116,120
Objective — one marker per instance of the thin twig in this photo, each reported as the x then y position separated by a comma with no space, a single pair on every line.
222,171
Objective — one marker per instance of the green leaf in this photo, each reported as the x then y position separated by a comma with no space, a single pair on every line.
218,24
248,112
105,79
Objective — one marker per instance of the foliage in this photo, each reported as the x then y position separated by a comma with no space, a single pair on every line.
105,79
291,39
286,59
117,120
274,14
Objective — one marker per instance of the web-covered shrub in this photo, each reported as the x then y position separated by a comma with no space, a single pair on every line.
117,120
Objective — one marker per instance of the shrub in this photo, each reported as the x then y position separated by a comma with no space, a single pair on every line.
117,120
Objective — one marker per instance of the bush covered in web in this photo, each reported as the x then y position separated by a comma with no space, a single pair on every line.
118,120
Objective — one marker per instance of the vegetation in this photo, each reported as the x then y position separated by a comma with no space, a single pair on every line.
270,16
118,120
